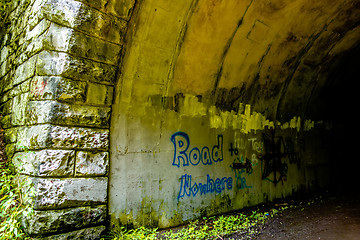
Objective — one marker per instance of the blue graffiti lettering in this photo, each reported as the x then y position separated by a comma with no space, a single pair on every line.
205,156
241,181
181,143
189,188
195,156
241,167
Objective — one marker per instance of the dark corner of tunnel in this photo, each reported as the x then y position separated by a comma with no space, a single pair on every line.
334,100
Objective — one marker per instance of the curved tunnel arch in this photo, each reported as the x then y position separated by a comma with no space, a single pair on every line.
199,56
200,66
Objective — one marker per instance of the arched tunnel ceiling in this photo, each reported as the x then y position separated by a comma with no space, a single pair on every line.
270,54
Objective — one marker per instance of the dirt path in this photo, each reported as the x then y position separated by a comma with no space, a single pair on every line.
327,216
330,217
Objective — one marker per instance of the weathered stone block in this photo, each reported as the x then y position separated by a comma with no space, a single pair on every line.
23,87
4,53
46,163
62,64
55,221
25,71
10,150
13,71
3,68
61,113
52,193
92,164
79,16
122,9
57,88
99,94
50,136
84,234
6,121
11,135
80,137
6,108
6,83
64,39
19,109
35,137
19,10
36,30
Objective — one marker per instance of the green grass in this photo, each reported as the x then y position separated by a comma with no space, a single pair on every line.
12,201
12,204
207,228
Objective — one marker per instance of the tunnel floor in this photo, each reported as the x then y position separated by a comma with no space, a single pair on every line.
329,216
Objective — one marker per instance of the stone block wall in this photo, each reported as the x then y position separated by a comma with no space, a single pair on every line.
59,62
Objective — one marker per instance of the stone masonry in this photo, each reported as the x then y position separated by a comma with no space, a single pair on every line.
59,62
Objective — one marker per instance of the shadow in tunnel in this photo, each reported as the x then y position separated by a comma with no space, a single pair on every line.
336,102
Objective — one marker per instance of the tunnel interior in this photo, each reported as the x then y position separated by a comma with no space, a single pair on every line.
276,93
157,112
334,101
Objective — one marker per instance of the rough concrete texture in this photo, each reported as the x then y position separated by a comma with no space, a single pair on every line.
92,164
51,136
68,66
86,234
46,163
47,222
71,192
183,109
61,113
237,79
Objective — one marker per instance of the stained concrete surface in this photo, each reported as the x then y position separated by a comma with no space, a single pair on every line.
233,69
330,217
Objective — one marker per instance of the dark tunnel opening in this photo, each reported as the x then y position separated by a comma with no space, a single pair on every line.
334,101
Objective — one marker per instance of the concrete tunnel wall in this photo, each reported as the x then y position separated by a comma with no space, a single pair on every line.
159,112
226,104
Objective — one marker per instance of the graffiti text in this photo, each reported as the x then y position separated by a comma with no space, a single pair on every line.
191,188
184,155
